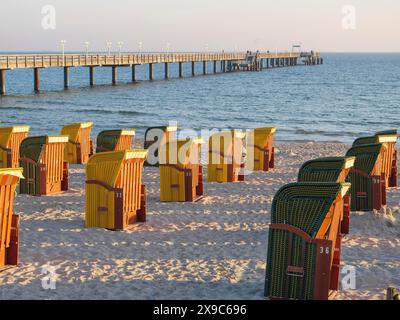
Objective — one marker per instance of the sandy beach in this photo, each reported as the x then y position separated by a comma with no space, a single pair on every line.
213,249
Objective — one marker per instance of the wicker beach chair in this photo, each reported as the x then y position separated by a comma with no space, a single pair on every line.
9,222
331,169
225,157
181,178
79,147
154,139
45,170
260,149
10,141
389,140
367,177
115,196
115,140
304,245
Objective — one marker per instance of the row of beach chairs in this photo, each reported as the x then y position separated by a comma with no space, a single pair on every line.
115,195
310,217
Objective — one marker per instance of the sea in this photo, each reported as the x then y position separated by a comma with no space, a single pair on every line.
350,95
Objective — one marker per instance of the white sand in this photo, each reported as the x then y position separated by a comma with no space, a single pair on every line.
214,249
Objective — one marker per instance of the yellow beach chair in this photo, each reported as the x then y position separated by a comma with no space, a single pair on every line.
10,141
225,156
115,140
45,170
79,147
154,139
9,222
115,196
181,178
260,149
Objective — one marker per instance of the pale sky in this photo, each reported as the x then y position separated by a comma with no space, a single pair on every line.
196,25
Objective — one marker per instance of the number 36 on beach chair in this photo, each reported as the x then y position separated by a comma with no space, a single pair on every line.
115,196
304,245
9,222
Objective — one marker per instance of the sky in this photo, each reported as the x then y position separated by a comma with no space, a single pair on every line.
200,25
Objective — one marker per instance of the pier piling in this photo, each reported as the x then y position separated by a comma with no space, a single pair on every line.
134,73
215,66
2,82
193,68
151,73
91,76
36,79
180,70
204,67
114,75
166,70
66,77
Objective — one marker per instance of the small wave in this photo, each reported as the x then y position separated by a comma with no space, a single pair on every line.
100,111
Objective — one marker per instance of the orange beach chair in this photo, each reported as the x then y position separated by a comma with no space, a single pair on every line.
10,141
79,147
260,149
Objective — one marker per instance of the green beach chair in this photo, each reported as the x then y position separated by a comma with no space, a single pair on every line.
389,140
367,177
304,243
115,140
331,169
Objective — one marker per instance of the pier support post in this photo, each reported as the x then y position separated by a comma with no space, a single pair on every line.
193,68
166,70
204,67
91,76
215,66
114,75
180,70
267,66
36,80
151,73
66,77
134,73
2,82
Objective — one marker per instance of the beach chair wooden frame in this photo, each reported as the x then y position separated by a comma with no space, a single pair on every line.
115,195
304,246
330,169
45,170
9,222
225,157
260,149
10,141
392,294
115,140
389,141
367,177
79,147
181,178
156,137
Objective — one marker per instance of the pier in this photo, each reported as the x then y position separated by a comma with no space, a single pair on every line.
222,62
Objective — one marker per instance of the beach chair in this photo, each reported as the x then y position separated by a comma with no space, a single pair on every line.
79,147
45,170
225,157
10,141
392,294
181,178
9,222
389,140
260,149
367,177
115,140
304,246
154,139
115,196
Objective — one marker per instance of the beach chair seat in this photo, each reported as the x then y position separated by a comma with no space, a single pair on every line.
115,196
367,177
10,141
181,178
115,140
389,140
79,147
225,157
45,170
9,222
304,244
260,149
154,139
330,169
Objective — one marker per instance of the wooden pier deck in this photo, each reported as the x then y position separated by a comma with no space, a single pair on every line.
228,62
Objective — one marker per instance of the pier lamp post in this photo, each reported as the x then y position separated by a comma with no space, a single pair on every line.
63,42
168,47
109,44
120,44
87,48
140,45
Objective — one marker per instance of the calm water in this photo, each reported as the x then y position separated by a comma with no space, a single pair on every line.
348,96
